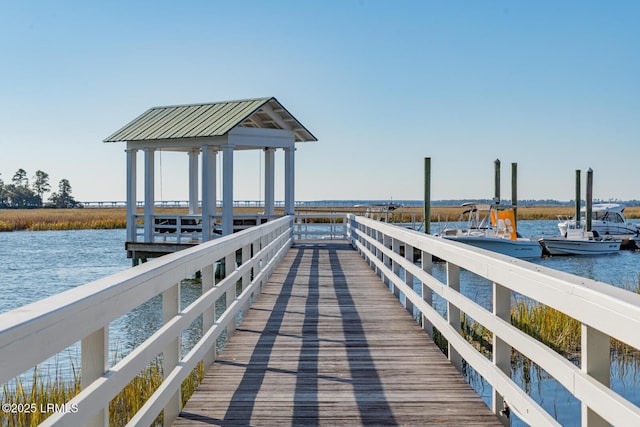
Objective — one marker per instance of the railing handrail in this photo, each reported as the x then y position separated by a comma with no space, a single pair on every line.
604,311
33,333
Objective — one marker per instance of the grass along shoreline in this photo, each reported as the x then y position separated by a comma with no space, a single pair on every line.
115,218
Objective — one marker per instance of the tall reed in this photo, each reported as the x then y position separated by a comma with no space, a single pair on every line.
44,391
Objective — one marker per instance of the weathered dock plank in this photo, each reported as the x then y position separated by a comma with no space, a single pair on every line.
326,343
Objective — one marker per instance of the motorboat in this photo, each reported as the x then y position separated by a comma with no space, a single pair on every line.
607,220
492,227
379,211
578,241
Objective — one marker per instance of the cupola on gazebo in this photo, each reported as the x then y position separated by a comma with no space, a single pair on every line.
202,131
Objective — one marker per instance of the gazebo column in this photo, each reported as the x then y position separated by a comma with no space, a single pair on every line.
269,181
193,182
149,196
209,155
227,189
131,193
289,180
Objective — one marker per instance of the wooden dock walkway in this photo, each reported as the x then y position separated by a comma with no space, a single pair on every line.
326,343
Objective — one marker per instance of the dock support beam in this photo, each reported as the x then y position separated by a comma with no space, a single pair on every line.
289,180
149,194
269,181
193,182
131,193
209,155
227,189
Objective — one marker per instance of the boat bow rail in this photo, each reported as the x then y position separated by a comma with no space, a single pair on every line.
604,311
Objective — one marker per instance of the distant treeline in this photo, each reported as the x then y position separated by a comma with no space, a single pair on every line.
22,194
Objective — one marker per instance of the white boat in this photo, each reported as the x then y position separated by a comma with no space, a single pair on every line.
493,227
578,241
607,220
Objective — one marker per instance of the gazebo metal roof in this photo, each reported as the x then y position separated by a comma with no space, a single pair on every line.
210,120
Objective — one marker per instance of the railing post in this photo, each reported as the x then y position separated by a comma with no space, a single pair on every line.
171,355
255,247
501,350
372,234
395,267
453,312
209,315
387,243
408,277
596,363
95,361
427,293
229,267
246,278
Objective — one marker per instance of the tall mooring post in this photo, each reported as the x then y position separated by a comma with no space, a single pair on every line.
514,192
589,198
496,197
578,195
427,195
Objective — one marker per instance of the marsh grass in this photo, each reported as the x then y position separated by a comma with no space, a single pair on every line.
553,328
58,389
34,397
548,325
61,219
111,218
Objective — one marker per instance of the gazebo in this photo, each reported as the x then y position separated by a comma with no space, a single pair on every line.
202,131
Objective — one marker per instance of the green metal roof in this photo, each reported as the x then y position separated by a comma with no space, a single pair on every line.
212,119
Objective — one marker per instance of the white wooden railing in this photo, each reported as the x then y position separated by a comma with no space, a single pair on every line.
603,310
33,333
320,225
189,228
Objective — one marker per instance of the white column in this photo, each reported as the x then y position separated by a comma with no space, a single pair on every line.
227,189
209,155
149,196
269,181
193,182
289,180
131,194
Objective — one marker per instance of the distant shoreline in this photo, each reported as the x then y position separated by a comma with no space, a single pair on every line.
115,218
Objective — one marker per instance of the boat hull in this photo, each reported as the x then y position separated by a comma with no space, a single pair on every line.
561,246
521,248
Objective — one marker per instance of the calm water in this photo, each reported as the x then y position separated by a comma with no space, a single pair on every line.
34,265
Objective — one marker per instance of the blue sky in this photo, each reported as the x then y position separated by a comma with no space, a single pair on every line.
550,85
